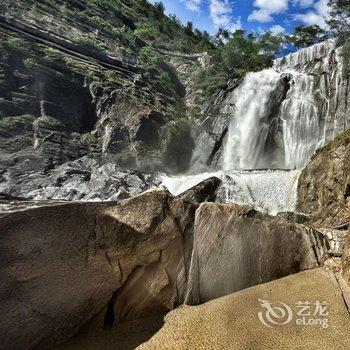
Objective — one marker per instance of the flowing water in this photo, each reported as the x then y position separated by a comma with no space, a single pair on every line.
250,127
268,191
275,125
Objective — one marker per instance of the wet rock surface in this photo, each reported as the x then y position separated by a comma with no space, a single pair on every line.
86,179
204,192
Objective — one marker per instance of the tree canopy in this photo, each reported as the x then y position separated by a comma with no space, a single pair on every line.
307,35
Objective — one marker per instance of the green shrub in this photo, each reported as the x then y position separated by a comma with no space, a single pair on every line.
17,121
342,139
89,43
29,63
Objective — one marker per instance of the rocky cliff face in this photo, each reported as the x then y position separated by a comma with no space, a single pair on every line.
72,87
324,185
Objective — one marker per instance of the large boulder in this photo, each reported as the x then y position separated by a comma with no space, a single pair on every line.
324,185
233,322
236,247
61,265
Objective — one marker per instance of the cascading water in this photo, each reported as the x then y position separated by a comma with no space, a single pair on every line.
249,126
300,122
296,122
276,124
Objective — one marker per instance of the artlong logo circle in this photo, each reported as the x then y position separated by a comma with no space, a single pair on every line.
274,315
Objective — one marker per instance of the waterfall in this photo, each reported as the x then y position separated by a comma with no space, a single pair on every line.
294,126
249,126
280,116
300,122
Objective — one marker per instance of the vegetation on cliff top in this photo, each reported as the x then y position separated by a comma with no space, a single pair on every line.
126,21
341,140
140,29
236,54
339,22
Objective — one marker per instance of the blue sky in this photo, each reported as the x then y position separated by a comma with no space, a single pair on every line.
251,15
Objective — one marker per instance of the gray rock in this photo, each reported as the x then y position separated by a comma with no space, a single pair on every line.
61,265
236,247
86,179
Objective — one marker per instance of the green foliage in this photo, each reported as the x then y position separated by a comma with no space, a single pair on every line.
149,56
306,36
50,121
211,80
29,63
339,22
340,140
155,69
241,53
16,45
340,18
346,57
147,31
90,139
89,43
17,121
176,135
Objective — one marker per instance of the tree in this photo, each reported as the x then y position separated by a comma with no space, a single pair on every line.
340,24
189,28
222,37
159,7
270,43
306,36
340,18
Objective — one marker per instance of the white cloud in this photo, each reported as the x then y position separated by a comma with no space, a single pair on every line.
221,15
303,3
317,16
277,29
235,25
266,10
193,5
272,6
261,16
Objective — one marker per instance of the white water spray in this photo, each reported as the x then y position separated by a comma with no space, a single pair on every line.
268,191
